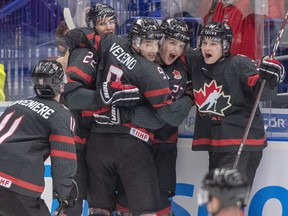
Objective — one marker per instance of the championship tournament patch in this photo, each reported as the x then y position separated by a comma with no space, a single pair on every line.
5,182
139,134
177,75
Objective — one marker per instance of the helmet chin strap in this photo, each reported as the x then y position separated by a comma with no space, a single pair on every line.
160,59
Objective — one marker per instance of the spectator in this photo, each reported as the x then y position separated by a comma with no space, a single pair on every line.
3,84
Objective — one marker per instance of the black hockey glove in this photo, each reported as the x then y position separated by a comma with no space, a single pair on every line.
111,117
272,71
119,94
69,202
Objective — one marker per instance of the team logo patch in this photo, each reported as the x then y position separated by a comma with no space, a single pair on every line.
177,74
5,182
139,134
211,99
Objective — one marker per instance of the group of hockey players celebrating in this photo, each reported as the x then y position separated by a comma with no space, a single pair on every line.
114,141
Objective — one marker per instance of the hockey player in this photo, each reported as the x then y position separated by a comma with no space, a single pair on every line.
80,95
32,130
164,148
224,191
122,151
232,81
175,40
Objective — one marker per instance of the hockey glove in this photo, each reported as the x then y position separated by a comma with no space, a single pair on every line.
272,71
119,94
69,202
111,117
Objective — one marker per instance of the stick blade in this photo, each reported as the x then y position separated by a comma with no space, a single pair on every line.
68,18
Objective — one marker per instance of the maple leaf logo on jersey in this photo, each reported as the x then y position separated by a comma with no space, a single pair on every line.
177,74
211,99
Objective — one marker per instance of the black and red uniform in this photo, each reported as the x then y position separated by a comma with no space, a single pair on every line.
165,139
123,151
32,130
80,96
225,93
164,143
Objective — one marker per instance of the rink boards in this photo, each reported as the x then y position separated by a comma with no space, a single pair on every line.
269,194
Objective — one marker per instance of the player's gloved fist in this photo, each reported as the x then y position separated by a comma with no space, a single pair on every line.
111,117
59,212
119,94
68,202
272,71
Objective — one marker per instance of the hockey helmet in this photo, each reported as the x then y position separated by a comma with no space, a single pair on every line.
144,28
228,184
47,77
176,29
218,30
99,12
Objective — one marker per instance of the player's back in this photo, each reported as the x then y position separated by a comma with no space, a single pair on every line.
27,126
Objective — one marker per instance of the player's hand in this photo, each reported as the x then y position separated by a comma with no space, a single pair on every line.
111,117
59,212
117,93
69,201
272,71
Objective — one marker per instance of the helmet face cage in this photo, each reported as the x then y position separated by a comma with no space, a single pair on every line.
220,31
144,28
98,13
176,29
229,185
48,78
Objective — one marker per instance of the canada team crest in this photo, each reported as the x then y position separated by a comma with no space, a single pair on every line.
177,74
211,99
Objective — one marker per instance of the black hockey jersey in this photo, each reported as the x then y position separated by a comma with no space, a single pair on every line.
177,74
31,130
80,95
118,64
225,93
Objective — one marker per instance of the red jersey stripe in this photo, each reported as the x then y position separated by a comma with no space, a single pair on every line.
162,104
22,183
87,113
81,73
63,154
90,36
253,79
80,140
157,92
226,142
60,138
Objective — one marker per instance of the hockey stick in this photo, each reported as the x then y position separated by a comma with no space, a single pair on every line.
247,129
68,18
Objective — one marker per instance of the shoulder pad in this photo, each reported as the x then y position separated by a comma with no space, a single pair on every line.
80,37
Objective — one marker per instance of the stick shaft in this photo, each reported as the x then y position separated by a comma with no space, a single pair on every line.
250,120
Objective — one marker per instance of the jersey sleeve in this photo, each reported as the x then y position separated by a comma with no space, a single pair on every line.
81,73
247,70
63,153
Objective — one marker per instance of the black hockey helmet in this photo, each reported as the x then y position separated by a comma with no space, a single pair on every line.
228,184
176,29
99,12
220,31
47,77
144,28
